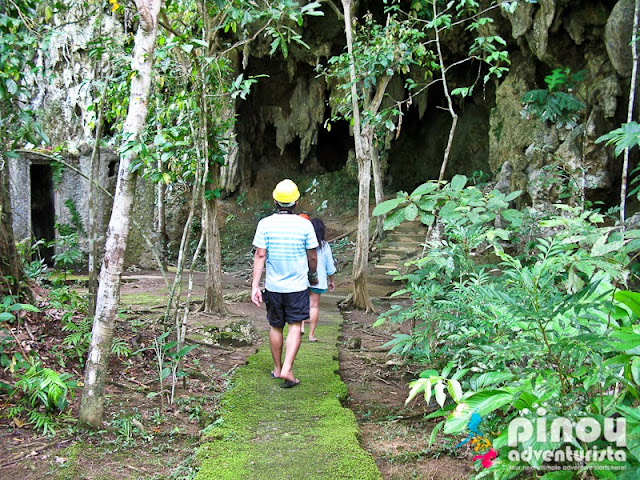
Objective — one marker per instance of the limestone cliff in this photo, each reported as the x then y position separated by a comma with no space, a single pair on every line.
285,126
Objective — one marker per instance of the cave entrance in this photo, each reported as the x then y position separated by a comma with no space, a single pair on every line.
43,209
333,146
417,155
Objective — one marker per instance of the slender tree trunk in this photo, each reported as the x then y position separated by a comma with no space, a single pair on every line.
378,191
94,201
632,99
108,297
445,86
359,298
161,220
10,268
214,299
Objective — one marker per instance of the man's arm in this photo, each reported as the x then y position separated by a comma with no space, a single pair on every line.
259,259
312,258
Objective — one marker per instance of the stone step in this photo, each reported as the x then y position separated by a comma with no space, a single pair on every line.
385,267
402,252
383,280
414,232
404,244
391,256
413,227
414,239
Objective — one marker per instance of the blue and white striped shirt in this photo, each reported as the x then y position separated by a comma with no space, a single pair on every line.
286,238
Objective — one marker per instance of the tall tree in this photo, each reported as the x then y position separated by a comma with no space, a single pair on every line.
208,61
10,267
405,45
632,101
373,56
20,30
363,138
108,297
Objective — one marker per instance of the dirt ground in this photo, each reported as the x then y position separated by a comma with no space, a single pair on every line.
149,440
397,435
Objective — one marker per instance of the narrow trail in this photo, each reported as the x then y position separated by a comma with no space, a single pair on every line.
265,432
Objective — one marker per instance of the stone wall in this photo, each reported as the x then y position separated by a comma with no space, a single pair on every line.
66,92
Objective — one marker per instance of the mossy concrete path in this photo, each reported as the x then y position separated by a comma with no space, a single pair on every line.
265,432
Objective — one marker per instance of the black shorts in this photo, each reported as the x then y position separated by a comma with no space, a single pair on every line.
286,307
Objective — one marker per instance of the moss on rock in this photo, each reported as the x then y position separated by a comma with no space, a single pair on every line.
267,432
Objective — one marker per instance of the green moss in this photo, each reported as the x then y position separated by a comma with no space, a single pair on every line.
71,469
267,432
144,299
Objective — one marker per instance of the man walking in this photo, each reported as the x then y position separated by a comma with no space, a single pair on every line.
286,243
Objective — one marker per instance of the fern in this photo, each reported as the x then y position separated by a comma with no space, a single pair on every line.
42,422
45,387
627,136
45,397
553,104
120,348
556,107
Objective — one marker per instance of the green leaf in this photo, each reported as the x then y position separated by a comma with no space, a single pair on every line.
455,390
393,220
490,379
635,370
439,391
12,86
462,91
424,189
512,196
434,432
458,182
630,299
418,386
387,206
426,218
23,306
482,402
411,212
6,317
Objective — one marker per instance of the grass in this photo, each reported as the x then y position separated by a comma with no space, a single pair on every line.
267,432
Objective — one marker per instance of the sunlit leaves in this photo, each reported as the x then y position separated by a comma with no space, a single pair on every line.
626,136
21,27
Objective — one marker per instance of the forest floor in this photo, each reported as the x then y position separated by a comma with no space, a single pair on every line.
148,438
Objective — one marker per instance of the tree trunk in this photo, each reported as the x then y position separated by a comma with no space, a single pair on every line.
214,300
161,220
378,191
94,201
359,298
10,268
632,99
108,297
445,86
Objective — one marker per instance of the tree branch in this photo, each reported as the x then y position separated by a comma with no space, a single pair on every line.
333,6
